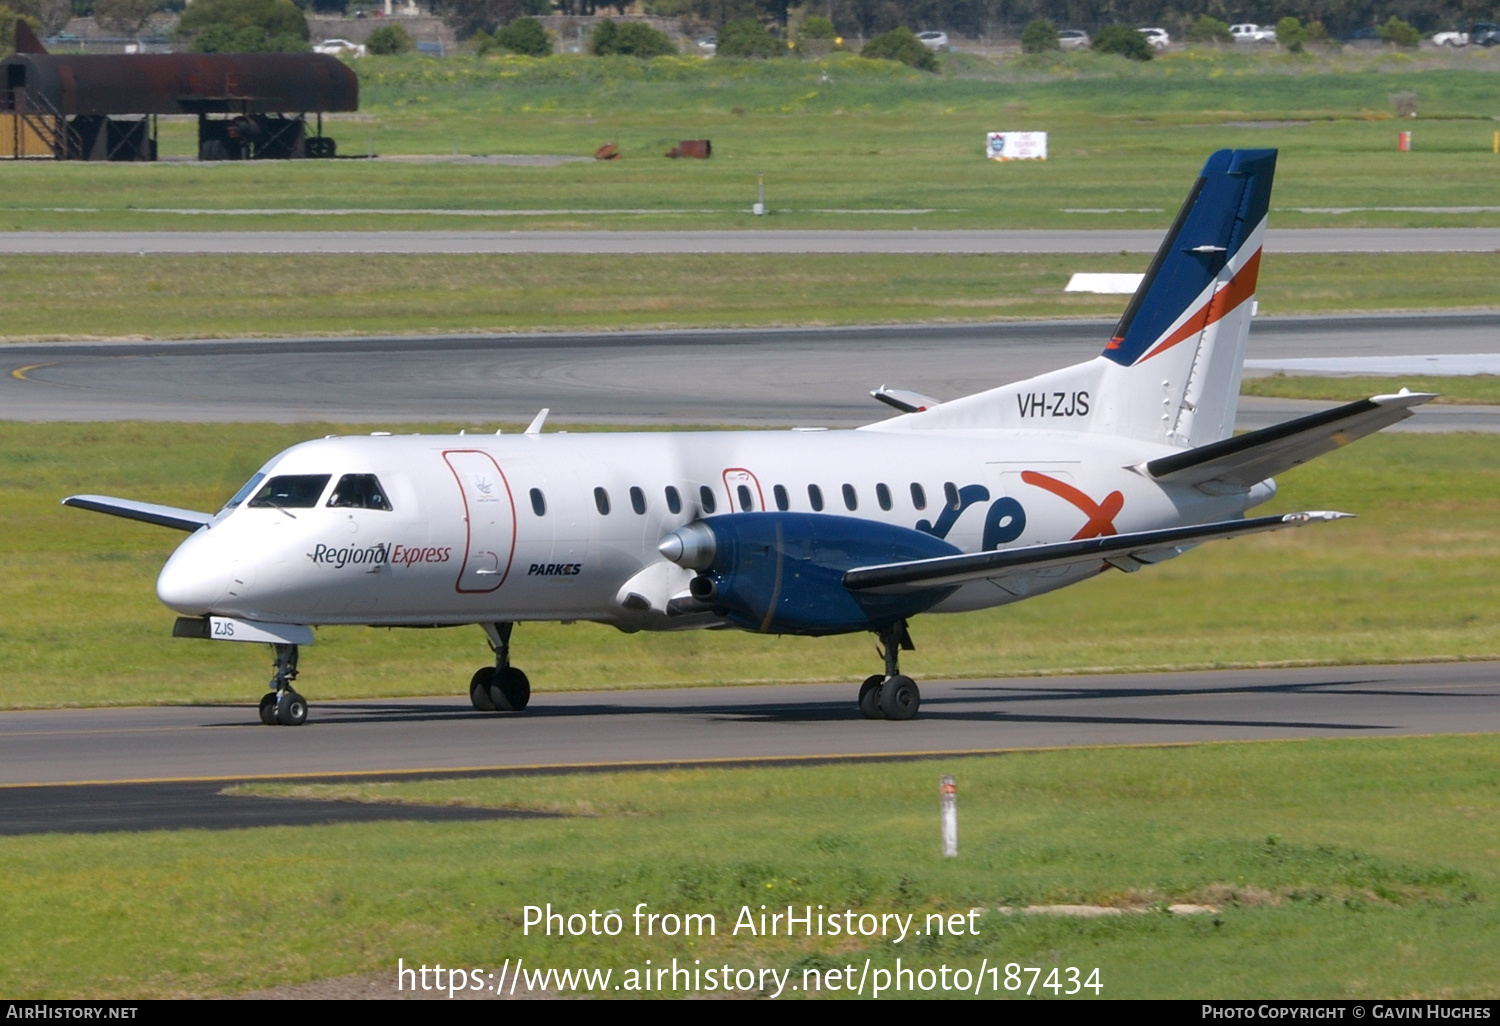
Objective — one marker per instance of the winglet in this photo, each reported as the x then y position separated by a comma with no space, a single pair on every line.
535,428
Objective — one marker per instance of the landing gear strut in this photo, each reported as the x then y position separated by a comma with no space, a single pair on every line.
282,704
891,695
502,687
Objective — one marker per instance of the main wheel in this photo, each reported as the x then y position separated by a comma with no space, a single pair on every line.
268,709
869,697
291,709
510,690
479,688
899,698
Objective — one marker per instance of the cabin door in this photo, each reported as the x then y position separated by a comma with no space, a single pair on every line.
489,520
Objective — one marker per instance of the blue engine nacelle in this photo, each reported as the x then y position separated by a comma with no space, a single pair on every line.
782,573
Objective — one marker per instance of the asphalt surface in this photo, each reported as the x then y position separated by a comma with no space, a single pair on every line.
737,377
704,725
197,805
1279,240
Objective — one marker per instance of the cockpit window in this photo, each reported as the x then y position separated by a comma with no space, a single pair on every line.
359,491
245,492
290,491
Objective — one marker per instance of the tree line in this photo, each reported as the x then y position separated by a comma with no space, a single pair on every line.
993,18
854,19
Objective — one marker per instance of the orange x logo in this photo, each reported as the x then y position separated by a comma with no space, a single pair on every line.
1101,515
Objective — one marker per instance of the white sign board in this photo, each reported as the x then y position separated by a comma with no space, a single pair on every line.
1015,145
1105,284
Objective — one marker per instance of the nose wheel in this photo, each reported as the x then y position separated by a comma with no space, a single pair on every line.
502,687
891,695
282,705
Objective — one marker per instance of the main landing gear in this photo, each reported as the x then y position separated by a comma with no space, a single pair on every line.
890,695
281,704
502,687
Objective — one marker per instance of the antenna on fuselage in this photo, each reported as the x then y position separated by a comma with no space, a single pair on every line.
538,421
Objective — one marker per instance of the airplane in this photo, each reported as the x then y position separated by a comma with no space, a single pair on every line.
1123,462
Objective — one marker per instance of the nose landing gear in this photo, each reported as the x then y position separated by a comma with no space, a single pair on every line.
282,705
891,695
502,687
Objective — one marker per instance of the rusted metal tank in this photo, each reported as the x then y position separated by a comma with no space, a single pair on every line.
187,83
104,107
700,149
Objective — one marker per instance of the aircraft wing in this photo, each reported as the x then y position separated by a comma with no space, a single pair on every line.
146,512
1243,460
1125,551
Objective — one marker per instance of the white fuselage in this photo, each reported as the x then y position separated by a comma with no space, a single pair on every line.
485,528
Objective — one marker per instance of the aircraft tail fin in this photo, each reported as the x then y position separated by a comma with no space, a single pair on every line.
1170,372
1180,345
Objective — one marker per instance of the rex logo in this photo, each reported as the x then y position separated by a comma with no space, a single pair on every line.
1003,521
1101,515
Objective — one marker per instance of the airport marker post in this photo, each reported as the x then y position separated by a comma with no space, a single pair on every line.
949,790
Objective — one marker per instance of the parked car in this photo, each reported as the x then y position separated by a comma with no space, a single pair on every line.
340,48
1157,37
1484,33
934,40
1073,39
1249,33
1450,39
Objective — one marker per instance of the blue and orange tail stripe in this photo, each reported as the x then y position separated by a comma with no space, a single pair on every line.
1179,295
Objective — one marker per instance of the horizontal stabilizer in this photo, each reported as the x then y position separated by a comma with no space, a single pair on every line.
1244,460
905,400
1124,550
146,512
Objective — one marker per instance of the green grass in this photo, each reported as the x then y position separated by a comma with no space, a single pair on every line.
841,134
1340,869
1469,389
1414,577
236,296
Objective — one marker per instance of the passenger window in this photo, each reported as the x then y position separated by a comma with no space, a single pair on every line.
674,500
883,496
815,496
950,491
918,496
706,495
359,491
245,491
746,504
601,501
783,502
638,500
851,500
290,491
538,502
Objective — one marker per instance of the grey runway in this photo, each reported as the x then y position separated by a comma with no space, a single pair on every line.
705,725
193,805
914,241
781,377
